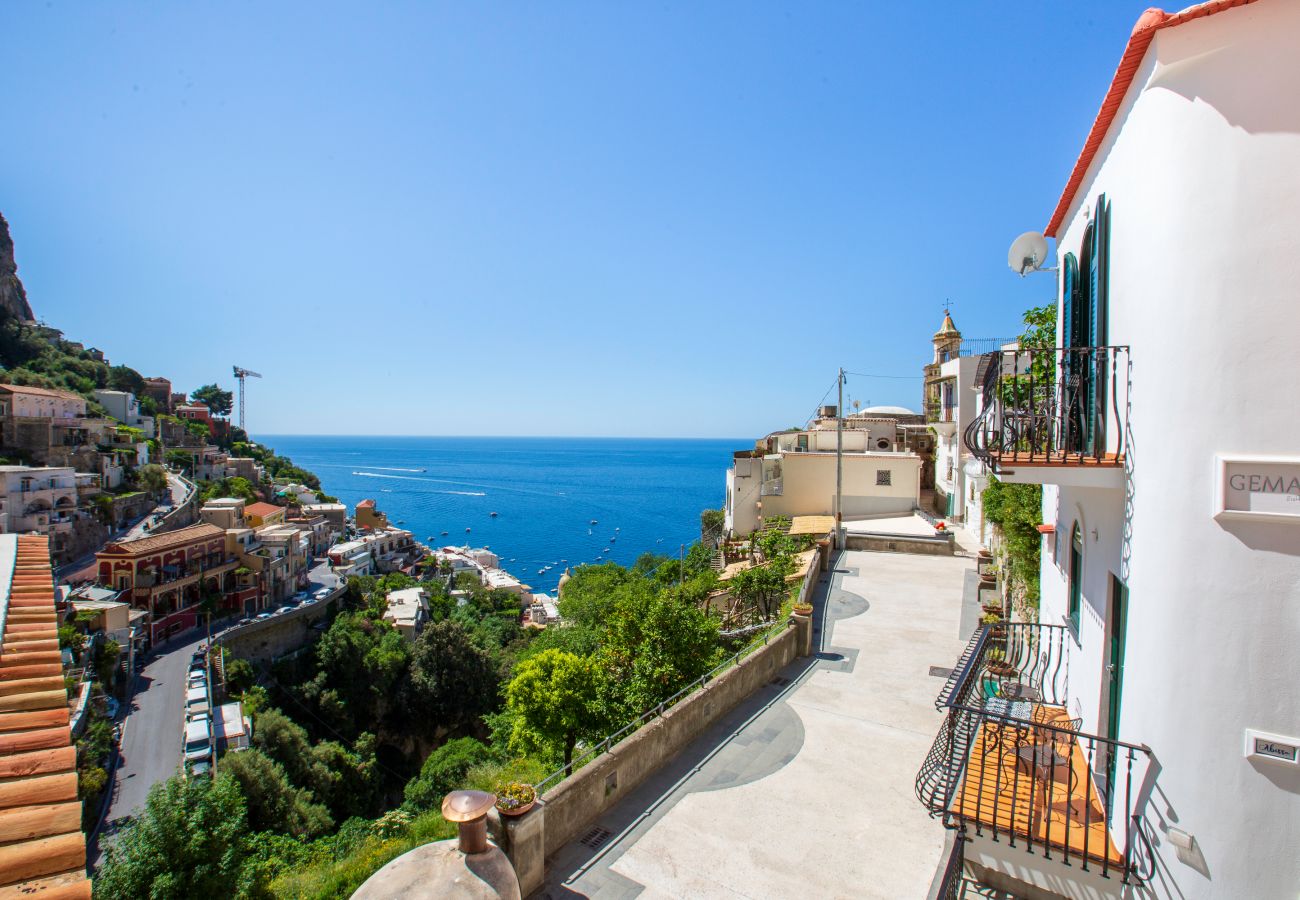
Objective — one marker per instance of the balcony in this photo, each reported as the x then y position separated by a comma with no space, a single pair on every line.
1026,790
1053,416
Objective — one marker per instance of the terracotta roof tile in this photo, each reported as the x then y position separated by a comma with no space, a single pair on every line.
1144,32
262,509
42,849
157,542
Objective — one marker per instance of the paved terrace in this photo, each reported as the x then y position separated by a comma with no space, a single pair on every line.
804,790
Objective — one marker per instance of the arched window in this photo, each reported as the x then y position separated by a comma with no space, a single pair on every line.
1076,575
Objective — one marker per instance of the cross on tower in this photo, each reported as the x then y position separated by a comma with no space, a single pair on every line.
947,306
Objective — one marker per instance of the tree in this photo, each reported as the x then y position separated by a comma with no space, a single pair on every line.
444,771
181,459
359,666
712,522
218,402
451,681
190,841
275,804
240,675
125,378
553,699
763,587
152,478
656,648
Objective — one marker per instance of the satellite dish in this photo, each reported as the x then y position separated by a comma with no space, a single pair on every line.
1028,253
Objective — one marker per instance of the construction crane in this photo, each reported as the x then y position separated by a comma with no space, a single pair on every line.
241,374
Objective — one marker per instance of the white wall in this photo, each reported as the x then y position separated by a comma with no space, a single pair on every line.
1202,169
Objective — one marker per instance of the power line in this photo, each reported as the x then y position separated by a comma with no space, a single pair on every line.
899,377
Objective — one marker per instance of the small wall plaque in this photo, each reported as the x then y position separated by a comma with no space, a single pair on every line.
1272,748
1260,488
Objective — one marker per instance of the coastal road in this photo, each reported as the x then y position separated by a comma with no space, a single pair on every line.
151,736
84,569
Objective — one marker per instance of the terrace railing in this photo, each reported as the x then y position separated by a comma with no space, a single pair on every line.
1010,764
1055,406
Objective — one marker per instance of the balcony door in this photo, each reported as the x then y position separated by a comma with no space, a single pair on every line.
1084,314
1115,670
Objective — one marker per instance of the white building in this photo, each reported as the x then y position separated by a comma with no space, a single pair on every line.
952,401
125,407
1168,443
351,558
793,473
408,610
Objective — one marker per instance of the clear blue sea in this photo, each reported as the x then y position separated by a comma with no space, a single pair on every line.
645,493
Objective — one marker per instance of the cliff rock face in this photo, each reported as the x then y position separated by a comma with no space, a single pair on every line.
13,299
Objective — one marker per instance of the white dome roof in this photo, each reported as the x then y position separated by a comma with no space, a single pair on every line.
885,411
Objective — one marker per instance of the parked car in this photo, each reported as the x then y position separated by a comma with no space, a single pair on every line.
264,616
199,768
322,593
244,621
198,740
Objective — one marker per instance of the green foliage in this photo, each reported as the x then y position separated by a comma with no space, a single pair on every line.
339,867
191,841
218,402
152,478
712,521
90,782
125,378
345,780
105,662
654,648
71,638
1040,327
452,681
29,356
1017,511
240,488
273,802
554,697
444,771
240,675
359,665
763,587
198,429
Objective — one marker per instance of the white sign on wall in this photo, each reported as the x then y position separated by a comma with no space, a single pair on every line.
1264,488
1272,747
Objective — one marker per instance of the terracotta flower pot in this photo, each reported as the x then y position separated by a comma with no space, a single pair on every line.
518,810
803,609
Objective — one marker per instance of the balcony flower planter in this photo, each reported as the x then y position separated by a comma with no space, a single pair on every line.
515,799
803,609
1001,669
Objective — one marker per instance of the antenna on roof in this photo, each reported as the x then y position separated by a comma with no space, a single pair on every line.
1028,253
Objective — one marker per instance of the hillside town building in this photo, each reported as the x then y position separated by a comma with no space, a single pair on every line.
793,473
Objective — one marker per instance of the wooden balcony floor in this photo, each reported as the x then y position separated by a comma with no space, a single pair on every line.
1003,791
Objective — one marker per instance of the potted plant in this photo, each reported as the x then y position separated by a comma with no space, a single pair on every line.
997,664
803,609
515,798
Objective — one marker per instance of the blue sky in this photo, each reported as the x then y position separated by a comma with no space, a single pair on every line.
669,219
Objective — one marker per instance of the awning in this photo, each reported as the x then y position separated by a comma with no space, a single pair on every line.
818,525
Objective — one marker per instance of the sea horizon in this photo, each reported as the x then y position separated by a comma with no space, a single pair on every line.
558,501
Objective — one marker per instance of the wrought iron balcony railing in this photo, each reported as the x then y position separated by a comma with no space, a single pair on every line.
1059,406
1008,762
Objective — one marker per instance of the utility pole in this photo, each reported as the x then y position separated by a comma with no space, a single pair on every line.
839,462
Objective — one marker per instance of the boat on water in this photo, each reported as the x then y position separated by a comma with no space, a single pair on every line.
444,534
616,528
594,522
492,514
613,539
468,530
